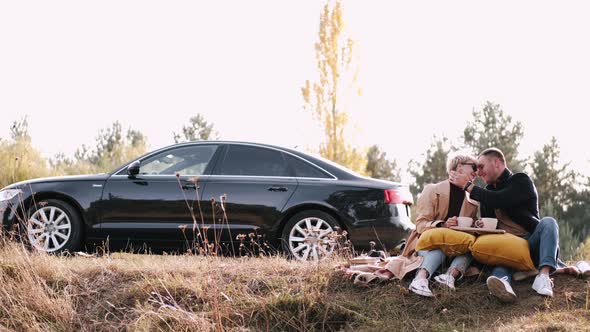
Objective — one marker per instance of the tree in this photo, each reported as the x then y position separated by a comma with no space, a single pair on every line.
379,167
113,149
197,130
434,168
578,214
555,184
19,159
561,196
19,131
60,165
324,98
491,127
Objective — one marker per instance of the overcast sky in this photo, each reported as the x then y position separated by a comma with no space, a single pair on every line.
74,67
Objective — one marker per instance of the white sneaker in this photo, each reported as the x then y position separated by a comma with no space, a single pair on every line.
446,279
501,289
543,285
420,287
584,268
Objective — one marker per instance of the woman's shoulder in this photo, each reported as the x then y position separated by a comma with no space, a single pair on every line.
442,187
431,189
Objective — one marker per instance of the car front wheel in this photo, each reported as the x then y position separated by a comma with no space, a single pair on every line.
54,226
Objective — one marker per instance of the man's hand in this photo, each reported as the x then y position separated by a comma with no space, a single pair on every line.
458,179
451,222
479,223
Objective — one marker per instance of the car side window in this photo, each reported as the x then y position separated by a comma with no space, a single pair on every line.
253,161
306,170
189,160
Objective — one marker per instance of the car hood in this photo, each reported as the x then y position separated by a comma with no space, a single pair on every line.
70,178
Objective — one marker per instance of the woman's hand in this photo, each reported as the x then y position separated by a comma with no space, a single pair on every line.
459,179
479,223
451,222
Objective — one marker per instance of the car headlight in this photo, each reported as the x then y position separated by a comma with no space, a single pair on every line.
8,194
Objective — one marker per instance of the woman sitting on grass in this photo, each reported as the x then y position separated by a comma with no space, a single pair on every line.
439,205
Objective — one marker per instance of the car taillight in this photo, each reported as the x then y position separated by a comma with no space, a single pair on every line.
398,196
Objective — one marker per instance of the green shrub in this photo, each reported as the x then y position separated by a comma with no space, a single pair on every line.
568,242
19,159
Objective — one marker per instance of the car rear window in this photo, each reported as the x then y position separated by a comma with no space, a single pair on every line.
253,161
304,169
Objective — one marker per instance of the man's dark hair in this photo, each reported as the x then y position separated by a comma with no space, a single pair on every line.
494,152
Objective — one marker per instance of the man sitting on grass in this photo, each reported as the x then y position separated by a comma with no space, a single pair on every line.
513,200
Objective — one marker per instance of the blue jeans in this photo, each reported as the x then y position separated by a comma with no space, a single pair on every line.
544,247
433,259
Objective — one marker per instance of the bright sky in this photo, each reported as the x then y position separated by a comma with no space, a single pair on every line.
74,67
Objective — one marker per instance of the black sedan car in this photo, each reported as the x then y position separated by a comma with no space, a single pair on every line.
213,188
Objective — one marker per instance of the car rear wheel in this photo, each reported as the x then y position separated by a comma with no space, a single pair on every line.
308,235
54,226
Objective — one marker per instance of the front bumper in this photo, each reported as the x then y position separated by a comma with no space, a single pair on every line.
9,213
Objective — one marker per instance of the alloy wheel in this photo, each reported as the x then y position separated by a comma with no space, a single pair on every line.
49,228
310,239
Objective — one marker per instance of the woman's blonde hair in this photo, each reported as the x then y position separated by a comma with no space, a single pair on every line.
459,159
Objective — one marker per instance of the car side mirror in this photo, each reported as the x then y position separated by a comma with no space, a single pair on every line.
133,168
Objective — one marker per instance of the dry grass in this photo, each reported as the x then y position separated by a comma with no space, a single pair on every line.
126,292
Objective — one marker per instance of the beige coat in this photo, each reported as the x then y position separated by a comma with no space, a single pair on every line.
431,209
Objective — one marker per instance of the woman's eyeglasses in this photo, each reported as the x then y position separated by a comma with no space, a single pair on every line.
473,166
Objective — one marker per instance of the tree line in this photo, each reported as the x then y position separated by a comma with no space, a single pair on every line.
112,147
563,192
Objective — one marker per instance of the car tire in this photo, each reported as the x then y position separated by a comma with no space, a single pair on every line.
53,226
306,235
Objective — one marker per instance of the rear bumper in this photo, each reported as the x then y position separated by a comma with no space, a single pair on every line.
386,232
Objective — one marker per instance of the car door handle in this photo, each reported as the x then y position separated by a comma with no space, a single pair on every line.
276,188
189,186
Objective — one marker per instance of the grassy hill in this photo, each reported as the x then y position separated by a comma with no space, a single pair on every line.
125,292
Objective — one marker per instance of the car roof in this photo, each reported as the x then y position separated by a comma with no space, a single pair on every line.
335,169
